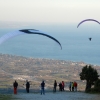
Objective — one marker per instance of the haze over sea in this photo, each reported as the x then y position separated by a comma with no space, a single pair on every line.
75,43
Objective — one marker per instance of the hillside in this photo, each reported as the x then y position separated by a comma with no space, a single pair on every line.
35,70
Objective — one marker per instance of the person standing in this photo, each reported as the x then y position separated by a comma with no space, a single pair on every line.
70,86
15,85
63,85
27,86
75,86
60,86
42,88
55,85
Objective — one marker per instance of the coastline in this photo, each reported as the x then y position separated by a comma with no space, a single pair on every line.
70,61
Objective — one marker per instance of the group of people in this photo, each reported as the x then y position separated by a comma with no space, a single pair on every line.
15,85
61,86
73,86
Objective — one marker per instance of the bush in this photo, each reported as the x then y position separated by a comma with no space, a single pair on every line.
88,90
96,88
97,84
93,90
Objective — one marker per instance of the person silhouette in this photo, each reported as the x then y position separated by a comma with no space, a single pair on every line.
90,38
55,85
15,85
27,86
42,88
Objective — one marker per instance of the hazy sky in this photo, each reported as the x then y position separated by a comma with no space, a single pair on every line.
49,11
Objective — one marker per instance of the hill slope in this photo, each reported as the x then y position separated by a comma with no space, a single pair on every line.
35,70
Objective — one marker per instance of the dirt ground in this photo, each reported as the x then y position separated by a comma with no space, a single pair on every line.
57,96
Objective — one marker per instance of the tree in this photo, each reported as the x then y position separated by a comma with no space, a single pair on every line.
90,75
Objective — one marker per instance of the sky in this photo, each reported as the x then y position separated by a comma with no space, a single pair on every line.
49,11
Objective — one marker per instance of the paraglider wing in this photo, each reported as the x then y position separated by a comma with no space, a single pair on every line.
25,31
9,35
87,20
31,31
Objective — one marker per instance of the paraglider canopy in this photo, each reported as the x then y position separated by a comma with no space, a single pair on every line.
26,31
87,20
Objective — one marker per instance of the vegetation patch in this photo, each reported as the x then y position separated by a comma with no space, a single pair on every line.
5,97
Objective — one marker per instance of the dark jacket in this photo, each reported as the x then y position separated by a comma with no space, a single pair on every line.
42,84
27,85
15,84
55,84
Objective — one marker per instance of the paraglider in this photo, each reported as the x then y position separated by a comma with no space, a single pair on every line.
87,20
26,31
90,39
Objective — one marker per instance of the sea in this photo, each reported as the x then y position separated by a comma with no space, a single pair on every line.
75,42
